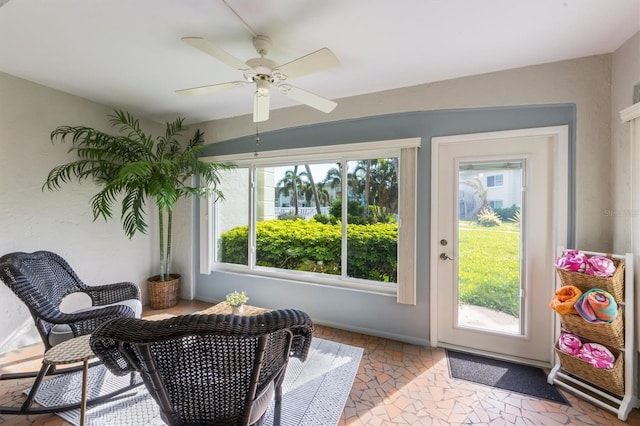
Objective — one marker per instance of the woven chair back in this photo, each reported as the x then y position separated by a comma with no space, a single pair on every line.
206,369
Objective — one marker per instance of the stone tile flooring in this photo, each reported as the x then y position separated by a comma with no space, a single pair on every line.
396,384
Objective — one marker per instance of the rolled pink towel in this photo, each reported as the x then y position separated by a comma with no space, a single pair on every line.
597,355
569,344
600,266
573,261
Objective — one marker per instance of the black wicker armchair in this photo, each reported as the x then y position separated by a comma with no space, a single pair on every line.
208,369
41,280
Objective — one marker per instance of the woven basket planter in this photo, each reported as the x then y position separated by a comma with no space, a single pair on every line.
610,334
610,380
163,294
613,284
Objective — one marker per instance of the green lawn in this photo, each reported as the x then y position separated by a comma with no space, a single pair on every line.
489,266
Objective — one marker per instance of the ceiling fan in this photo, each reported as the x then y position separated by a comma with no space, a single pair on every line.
266,73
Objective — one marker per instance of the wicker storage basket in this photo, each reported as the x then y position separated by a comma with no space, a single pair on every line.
613,284
611,380
607,333
163,294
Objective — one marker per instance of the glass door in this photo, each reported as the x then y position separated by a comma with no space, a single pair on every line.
494,240
490,246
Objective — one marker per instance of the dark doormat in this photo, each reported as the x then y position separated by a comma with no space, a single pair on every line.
505,375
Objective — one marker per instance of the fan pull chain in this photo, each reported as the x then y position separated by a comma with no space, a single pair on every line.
255,154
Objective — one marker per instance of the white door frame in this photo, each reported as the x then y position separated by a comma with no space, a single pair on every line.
560,137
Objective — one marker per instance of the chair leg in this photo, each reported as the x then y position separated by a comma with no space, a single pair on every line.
48,370
36,385
277,413
277,409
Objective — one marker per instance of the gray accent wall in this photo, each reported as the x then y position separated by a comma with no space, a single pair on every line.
359,311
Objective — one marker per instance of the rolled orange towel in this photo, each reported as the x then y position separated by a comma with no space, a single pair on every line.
565,299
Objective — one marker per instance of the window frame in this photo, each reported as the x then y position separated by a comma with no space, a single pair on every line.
404,149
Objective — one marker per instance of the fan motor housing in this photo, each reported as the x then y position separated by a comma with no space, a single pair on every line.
262,65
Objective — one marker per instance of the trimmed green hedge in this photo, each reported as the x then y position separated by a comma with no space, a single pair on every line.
313,246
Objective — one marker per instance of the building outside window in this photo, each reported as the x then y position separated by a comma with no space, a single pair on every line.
495,180
495,204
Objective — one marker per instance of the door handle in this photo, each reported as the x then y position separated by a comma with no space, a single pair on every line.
445,256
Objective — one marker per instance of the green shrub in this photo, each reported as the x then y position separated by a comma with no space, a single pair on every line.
322,218
507,213
373,252
314,246
355,213
353,208
378,215
487,217
234,246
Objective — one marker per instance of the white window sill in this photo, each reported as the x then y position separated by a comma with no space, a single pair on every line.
301,277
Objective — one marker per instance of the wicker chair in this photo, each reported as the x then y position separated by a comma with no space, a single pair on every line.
208,369
41,280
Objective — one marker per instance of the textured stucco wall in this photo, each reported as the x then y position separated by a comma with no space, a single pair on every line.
625,75
32,219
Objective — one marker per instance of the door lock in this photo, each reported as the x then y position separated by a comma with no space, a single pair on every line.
445,256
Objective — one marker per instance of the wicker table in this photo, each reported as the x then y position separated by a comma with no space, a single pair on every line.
224,308
69,352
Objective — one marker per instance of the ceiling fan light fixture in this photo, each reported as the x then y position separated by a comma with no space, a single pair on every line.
264,73
262,86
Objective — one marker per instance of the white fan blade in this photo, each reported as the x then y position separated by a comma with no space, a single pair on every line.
211,88
260,107
211,49
307,98
319,60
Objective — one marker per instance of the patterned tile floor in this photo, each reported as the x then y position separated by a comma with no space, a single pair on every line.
396,384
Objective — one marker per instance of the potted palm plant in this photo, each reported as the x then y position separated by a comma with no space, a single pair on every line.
138,168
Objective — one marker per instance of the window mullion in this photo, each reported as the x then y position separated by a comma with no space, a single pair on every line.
345,196
252,219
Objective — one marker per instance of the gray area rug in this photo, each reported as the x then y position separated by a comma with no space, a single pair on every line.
314,392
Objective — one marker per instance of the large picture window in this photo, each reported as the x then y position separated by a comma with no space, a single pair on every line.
330,219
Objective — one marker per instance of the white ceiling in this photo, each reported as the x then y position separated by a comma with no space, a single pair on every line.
128,54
